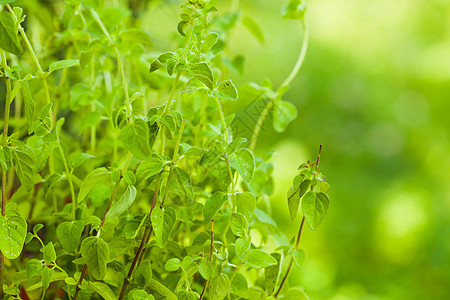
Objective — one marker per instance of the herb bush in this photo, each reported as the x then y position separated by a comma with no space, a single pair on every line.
105,195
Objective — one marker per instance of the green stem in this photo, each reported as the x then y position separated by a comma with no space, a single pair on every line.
292,260
69,176
222,118
286,82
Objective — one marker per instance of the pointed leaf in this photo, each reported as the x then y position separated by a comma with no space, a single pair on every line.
213,204
314,207
135,137
163,222
13,230
95,253
96,176
259,259
244,162
69,234
123,203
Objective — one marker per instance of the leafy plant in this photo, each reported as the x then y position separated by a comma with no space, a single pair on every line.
126,199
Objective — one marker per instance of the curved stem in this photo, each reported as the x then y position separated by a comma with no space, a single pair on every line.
292,260
286,82
69,176
222,118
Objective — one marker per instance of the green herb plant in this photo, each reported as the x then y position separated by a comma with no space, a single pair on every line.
121,175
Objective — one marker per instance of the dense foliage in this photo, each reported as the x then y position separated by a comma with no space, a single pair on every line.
105,195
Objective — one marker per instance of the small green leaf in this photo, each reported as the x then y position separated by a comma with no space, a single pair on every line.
283,113
132,227
34,267
49,253
5,158
245,203
271,274
227,90
239,224
28,101
185,181
163,222
299,257
242,246
93,178
46,278
213,204
219,287
244,162
205,270
13,230
102,289
209,41
50,182
253,28
314,207
295,10
172,264
61,64
129,177
9,38
135,36
123,203
259,259
79,159
203,72
95,253
143,273
135,137
23,160
294,195
137,294
69,234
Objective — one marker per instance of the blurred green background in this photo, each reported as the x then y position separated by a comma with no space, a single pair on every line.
374,90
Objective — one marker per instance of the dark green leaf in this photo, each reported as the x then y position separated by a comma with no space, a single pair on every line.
28,101
314,207
23,159
294,195
9,38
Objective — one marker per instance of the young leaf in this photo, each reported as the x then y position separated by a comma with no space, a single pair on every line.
213,204
219,287
203,72
150,167
299,257
172,264
102,289
79,159
91,180
245,203
259,259
283,113
135,137
23,159
135,36
244,162
28,101
132,227
95,253
49,253
143,274
227,90
9,38
46,278
69,234
239,224
209,41
5,158
34,267
294,195
185,181
314,207
13,230
61,64
163,222
242,246
295,10
271,273
253,28
123,203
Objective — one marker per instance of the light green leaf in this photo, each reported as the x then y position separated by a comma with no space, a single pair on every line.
213,204
49,253
294,195
163,222
132,227
46,278
259,259
203,72
172,264
227,90
143,273
150,167
5,158
239,224
185,181
314,207
79,159
102,289
95,253
271,274
50,182
205,270
244,162
123,203
162,290
299,257
135,36
34,267
135,137
23,160
9,38
138,294
3,2
61,64
69,234
295,10
209,41
219,287
28,101
245,203
13,230
283,113
242,246
96,176
253,28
